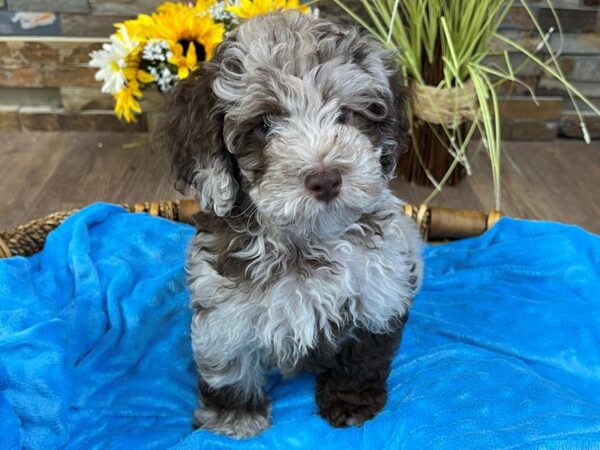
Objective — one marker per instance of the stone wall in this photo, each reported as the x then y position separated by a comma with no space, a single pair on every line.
45,83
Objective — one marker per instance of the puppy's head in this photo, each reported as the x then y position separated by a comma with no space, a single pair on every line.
295,118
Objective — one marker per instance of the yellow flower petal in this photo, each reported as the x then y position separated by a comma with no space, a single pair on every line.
191,58
135,105
134,88
202,6
144,77
183,73
126,103
130,73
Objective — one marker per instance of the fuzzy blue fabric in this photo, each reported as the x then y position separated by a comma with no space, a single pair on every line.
502,348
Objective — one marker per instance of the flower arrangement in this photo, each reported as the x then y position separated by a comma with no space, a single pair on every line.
159,49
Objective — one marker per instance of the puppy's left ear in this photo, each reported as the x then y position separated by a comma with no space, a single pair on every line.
192,134
395,126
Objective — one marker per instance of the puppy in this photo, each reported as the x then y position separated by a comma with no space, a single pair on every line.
303,259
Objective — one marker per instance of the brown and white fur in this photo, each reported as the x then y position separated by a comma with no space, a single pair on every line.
303,259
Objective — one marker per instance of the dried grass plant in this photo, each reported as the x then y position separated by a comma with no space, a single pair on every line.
457,37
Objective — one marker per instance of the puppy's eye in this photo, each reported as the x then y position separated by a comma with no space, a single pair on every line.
344,116
262,129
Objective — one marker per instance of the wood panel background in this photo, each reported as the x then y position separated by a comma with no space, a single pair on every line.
44,172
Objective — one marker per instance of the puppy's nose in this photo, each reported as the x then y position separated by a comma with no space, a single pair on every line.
324,185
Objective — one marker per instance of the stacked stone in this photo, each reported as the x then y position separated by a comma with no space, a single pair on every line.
579,61
45,83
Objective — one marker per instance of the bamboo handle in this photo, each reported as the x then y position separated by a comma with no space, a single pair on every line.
437,223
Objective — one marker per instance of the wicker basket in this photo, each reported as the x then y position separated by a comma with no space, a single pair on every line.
435,224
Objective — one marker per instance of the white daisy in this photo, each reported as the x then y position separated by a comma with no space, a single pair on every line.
111,61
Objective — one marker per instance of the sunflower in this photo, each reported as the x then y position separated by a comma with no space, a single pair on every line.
245,9
191,33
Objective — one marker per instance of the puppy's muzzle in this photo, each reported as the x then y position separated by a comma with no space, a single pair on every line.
324,185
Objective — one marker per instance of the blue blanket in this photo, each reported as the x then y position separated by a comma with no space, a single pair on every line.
502,348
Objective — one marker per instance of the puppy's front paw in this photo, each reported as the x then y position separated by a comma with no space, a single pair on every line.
342,408
238,423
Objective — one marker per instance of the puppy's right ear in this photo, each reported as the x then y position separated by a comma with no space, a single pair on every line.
193,136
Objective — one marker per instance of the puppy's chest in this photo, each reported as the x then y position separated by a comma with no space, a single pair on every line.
302,312
321,284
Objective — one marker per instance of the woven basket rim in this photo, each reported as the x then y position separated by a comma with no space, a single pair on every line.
431,221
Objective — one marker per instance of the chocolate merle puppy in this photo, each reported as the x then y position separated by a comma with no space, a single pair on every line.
303,259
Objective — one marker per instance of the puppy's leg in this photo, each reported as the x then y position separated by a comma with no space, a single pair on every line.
355,389
226,411
231,381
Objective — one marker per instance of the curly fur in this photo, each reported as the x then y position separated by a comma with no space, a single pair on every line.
279,279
